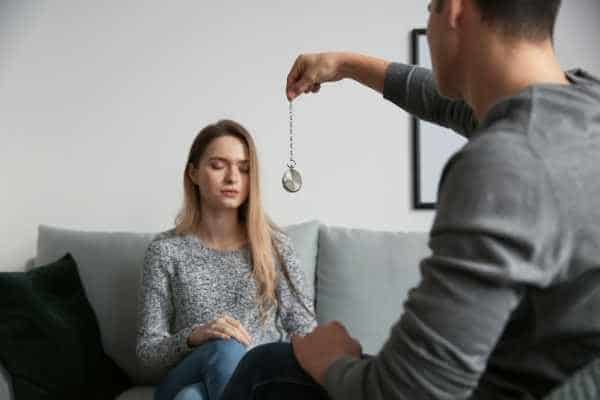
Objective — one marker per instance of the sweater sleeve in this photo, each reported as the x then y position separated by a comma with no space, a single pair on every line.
157,348
414,90
296,319
495,235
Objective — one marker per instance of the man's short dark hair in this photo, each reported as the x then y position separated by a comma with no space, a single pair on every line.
522,19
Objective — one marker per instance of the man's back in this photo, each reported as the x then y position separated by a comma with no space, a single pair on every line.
555,329
509,298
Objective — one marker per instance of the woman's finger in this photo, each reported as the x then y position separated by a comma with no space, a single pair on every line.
240,336
215,334
229,329
238,325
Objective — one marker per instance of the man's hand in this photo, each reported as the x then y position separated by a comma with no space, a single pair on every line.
319,349
310,70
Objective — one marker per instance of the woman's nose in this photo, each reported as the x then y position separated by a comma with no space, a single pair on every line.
232,175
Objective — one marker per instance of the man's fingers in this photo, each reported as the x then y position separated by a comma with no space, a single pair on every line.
295,72
304,85
292,78
338,325
296,342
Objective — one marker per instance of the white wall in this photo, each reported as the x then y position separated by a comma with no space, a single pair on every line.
99,102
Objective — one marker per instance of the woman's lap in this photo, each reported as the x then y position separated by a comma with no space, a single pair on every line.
210,365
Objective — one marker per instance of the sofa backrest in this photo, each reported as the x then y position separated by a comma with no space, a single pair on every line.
110,269
363,279
110,265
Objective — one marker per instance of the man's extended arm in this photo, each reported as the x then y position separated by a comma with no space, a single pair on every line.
411,88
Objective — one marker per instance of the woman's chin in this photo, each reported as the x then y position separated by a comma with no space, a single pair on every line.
232,204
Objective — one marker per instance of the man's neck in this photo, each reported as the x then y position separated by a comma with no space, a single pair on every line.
501,71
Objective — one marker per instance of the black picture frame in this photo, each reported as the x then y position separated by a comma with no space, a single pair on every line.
418,202
428,158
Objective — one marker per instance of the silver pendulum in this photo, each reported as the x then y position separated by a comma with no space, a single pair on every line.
291,180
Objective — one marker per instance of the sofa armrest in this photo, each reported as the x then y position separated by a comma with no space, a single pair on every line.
5,384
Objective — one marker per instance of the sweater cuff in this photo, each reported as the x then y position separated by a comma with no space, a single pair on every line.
343,378
181,346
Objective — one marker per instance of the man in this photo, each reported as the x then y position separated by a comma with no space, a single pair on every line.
509,299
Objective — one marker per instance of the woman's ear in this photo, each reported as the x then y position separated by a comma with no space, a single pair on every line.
191,171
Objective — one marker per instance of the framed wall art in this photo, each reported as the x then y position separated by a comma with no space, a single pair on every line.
432,145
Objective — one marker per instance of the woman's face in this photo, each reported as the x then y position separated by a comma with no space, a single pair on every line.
222,174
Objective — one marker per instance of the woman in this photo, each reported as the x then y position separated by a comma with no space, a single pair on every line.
224,280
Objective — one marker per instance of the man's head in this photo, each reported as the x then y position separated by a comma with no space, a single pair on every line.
456,25
520,19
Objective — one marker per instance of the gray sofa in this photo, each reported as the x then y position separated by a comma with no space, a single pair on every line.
359,277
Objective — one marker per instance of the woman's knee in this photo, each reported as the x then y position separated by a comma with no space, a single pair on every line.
224,355
192,392
230,345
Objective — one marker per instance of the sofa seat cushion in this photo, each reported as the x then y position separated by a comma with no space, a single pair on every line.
363,279
49,336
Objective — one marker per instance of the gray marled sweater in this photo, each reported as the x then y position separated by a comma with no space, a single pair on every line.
185,284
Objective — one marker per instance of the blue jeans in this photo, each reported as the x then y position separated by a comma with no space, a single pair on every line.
203,373
271,372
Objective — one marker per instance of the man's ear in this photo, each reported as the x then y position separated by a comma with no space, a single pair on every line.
453,11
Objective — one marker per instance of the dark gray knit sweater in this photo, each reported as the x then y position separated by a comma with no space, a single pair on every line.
509,302
185,284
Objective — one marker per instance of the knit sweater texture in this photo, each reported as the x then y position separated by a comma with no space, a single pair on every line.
186,284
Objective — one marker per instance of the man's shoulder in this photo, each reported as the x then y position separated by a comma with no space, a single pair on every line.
497,150
492,173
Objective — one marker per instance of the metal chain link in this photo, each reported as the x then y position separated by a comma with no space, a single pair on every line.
292,162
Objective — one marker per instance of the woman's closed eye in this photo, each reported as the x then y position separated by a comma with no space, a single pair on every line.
217,165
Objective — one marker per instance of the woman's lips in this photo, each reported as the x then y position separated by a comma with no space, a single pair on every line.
229,193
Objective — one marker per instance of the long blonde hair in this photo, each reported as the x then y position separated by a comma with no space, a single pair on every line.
259,228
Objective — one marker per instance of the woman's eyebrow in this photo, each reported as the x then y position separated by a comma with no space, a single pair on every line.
217,158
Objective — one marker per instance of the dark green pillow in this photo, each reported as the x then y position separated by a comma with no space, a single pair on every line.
49,337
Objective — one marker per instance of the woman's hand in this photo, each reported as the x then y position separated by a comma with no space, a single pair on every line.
224,328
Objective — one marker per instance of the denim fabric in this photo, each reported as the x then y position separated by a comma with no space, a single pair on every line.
271,372
202,374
